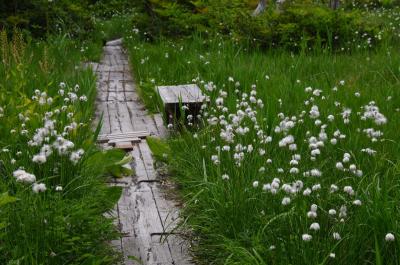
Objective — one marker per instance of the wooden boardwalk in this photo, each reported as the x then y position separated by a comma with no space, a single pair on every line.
146,217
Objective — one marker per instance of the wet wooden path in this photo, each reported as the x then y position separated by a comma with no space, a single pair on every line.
146,217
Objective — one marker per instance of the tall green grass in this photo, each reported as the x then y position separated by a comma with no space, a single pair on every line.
235,221
65,223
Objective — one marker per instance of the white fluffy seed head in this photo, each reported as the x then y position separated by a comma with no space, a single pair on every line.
314,207
336,236
312,215
286,201
38,187
314,226
306,237
389,237
332,212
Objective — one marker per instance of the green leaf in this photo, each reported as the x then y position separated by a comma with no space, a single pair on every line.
6,199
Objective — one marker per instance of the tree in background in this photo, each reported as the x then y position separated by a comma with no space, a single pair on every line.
262,5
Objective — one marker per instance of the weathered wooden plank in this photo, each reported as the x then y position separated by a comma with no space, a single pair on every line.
182,94
114,117
102,95
128,77
129,85
137,118
116,76
117,42
102,109
166,94
124,117
143,211
131,96
108,137
129,139
179,248
160,250
140,169
159,121
116,68
131,248
124,145
148,161
189,93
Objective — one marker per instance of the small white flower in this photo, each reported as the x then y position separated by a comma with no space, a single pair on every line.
38,187
353,168
272,247
316,187
24,177
306,237
314,207
255,184
266,187
332,212
332,255
59,188
349,190
312,214
389,237
307,192
39,158
339,166
225,177
336,236
285,201
314,226
334,188
357,202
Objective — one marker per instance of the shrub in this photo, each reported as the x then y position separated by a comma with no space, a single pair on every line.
77,18
298,24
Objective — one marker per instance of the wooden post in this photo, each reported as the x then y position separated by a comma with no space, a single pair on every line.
262,4
334,4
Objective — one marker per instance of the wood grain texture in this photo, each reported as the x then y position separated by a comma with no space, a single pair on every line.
143,214
190,93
